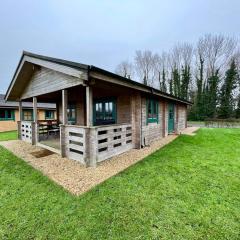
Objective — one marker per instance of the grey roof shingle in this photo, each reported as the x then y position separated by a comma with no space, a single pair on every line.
8,104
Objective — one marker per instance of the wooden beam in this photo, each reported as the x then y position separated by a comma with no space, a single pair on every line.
81,74
89,106
20,111
56,113
64,107
35,114
35,122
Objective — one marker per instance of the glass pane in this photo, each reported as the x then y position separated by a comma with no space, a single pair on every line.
106,107
9,115
149,109
27,115
71,112
98,108
104,112
2,113
154,109
111,107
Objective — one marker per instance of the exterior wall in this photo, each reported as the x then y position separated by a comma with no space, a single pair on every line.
151,131
154,131
166,118
136,119
123,97
123,109
11,125
182,114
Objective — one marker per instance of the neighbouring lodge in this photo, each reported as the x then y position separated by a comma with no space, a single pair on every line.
9,113
98,114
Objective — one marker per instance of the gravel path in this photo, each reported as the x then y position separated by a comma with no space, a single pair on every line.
76,178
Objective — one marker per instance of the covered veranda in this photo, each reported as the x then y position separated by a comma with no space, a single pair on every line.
82,130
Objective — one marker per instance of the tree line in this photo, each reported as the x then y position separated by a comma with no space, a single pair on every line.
205,73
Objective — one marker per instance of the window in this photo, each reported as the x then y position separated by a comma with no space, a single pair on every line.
152,111
71,112
104,111
27,115
7,114
49,114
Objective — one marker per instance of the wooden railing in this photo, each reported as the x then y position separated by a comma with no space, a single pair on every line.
75,143
90,145
113,140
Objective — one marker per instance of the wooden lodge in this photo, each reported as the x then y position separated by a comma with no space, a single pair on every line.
98,114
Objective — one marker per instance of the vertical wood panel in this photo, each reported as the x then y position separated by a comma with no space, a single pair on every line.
64,107
89,106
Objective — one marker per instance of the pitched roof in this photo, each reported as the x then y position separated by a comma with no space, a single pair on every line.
11,104
92,68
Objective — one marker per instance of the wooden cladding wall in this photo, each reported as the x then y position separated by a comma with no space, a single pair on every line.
182,110
151,131
45,80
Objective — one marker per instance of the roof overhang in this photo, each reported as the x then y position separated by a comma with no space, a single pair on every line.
101,74
30,61
26,66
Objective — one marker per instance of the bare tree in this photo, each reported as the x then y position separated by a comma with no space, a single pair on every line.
180,60
161,71
180,55
145,65
125,69
218,51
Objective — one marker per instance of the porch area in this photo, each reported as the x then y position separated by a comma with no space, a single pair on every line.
91,125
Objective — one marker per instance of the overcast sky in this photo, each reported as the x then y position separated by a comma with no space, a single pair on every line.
103,33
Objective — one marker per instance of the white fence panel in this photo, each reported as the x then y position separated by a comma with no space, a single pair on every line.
26,131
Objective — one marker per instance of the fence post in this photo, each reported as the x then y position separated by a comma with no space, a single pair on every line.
19,124
91,147
33,131
62,140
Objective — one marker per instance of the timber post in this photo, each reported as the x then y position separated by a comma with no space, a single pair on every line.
35,122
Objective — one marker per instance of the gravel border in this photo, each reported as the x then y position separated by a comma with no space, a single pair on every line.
76,178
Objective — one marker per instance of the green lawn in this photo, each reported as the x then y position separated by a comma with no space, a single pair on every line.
190,189
12,135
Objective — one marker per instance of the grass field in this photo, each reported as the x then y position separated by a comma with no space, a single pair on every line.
189,189
12,135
